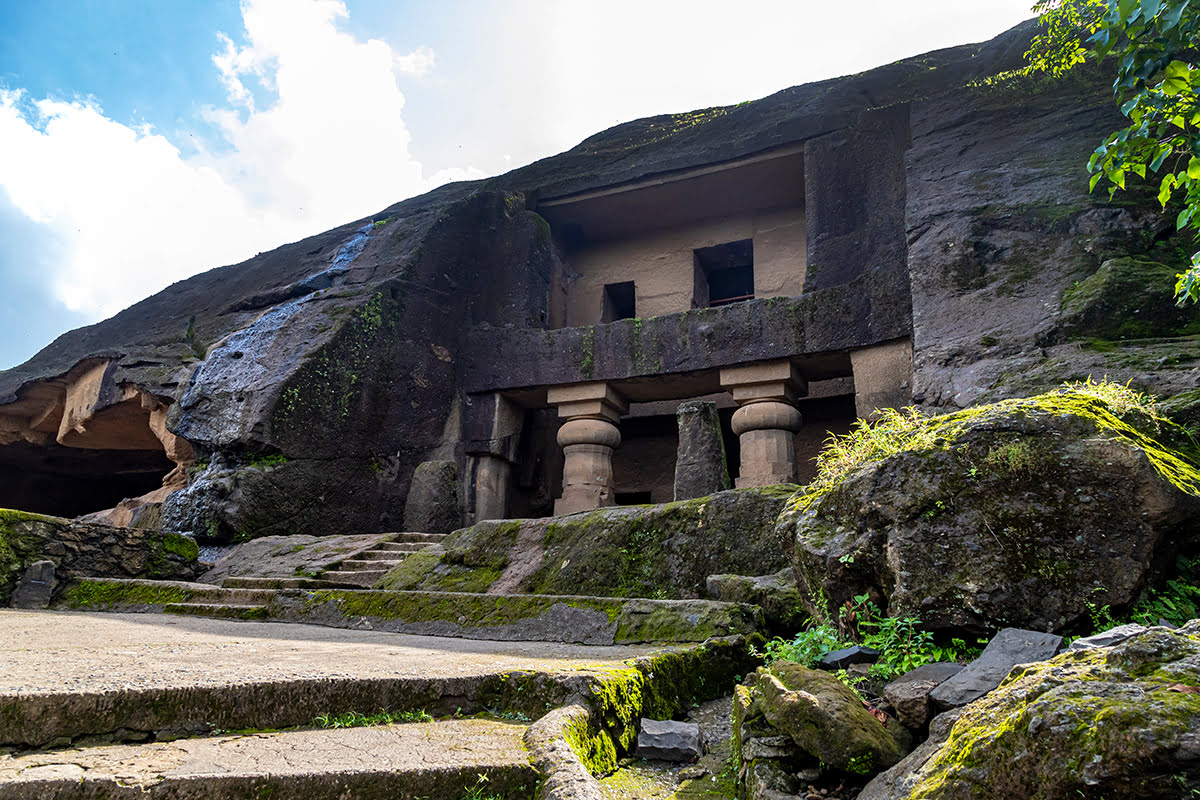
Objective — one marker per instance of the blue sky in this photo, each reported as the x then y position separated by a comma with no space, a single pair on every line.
142,141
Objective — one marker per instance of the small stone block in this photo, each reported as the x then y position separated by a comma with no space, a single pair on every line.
1108,638
909,694
668,740
841,659
35,587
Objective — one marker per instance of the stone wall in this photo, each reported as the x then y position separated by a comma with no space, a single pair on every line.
81,549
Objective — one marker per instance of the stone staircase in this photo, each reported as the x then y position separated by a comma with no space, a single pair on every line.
368,566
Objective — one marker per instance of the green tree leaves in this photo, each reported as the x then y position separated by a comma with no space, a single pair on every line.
1154,44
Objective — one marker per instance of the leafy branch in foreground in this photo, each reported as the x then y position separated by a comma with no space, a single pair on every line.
1154,44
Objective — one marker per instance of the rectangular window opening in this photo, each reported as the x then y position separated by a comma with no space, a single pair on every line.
723,274
619,302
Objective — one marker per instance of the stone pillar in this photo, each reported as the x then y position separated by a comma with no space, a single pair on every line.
767,421
492,427
700,460
588,438
882,377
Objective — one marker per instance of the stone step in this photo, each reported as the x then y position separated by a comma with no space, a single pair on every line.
388,555
446,759
527,617
218,610
397,547
80,679
357,577
279,583
410,536
380,565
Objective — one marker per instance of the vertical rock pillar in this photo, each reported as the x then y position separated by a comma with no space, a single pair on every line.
492,429
767,421
588,438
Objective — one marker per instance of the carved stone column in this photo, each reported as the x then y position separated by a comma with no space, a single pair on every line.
588,438
767,422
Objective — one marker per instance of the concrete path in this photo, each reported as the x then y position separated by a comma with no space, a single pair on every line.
60,651
440,760
66,676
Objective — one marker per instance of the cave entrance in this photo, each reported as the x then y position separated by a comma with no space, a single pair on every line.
84,443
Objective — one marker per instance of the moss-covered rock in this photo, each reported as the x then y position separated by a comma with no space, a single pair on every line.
660,551
1184,409
1023,513
1108,723
80,548
1127,298
825,718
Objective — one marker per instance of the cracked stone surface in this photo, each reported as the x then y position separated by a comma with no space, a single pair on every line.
395,757
59,652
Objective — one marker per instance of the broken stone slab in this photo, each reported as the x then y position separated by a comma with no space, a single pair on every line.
1010,647
35,587
909,694
700,467
668,740
777,747
1107,638
776,594
841,659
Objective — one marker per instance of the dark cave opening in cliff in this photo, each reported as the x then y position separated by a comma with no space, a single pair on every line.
70,481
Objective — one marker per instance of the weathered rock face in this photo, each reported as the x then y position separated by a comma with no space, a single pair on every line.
665,551
1107,722
1017,514
945,201
79,549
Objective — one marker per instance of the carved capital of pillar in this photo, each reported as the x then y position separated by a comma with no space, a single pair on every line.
588,439
767,421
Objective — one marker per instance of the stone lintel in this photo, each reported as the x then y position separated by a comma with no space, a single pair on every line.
765,380
596,400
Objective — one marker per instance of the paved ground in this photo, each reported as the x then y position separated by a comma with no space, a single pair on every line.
57,652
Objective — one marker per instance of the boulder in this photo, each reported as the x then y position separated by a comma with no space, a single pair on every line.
908,695
669,740
825,719
700,466
1007,649
1023,513
1120,722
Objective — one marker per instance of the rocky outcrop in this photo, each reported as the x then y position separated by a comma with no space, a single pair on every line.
1019,514
79,549
1107,722
663,551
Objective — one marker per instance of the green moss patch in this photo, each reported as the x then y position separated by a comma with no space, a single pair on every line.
1127,298
100,595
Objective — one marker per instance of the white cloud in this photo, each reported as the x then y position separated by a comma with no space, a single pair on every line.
314,137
